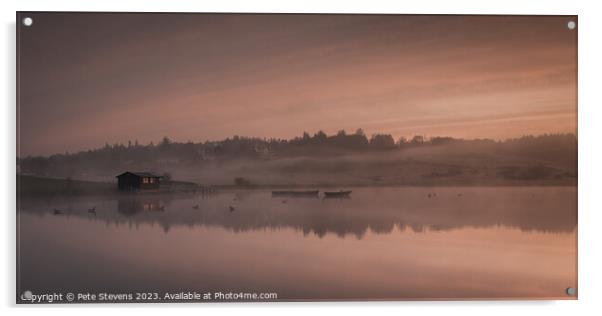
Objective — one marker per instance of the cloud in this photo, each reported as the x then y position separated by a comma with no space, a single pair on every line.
115,77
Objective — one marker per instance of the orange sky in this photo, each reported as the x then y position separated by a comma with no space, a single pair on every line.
89,79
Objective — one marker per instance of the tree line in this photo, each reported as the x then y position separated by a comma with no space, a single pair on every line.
167,151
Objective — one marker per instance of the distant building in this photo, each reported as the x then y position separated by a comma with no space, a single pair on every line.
133,181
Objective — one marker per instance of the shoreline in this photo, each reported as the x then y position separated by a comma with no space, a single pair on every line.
33,186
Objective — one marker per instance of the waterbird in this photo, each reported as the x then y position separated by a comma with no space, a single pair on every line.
283,201
196,207
429,195
231,208
57,211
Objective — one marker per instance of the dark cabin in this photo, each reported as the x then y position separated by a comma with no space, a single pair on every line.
133,181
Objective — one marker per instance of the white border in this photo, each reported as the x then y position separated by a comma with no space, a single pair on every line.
590,158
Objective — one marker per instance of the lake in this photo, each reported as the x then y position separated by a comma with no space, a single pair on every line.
386,243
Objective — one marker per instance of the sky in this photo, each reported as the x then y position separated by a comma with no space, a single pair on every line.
85,80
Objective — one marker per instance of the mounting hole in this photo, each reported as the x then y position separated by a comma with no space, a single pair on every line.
27,21
570,291
571,25
27,295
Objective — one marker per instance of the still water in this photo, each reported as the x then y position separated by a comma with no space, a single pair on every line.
382,243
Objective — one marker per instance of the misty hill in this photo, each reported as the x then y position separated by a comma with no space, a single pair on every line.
341,159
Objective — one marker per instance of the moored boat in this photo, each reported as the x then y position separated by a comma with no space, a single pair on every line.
296,193
340,193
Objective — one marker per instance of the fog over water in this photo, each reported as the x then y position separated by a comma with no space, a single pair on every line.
383,243
444,149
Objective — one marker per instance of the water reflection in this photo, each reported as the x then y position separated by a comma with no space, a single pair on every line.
398,243
376,209
131,206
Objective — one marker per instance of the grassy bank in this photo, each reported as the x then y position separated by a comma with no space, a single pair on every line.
39,186
34,186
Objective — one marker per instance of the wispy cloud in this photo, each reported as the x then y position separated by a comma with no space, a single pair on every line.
114,77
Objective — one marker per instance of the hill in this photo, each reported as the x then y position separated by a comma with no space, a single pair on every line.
329,160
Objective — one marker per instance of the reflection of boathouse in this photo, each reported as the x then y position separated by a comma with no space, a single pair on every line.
133,181
134,205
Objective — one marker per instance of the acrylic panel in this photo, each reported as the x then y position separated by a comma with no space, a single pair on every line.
205,157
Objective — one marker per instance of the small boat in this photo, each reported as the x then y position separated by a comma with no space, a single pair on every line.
340,193
296,193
